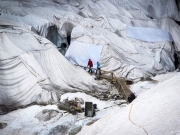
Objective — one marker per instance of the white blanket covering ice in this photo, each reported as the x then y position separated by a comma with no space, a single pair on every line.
46,71
33,71
148,34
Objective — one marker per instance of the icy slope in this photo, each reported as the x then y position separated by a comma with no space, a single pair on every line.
154,112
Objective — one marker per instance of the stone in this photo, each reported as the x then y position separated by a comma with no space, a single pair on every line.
75,130
46,115
3,125
59,130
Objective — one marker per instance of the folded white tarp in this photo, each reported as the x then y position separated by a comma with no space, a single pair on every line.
148,34
33,71
79,53
151,8
39,24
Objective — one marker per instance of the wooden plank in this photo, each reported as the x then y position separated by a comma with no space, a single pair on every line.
120,83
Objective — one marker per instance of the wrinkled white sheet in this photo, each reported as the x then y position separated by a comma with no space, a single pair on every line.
151,8
148,34
33,71
101,22
39,24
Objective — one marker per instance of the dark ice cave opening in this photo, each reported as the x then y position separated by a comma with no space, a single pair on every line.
177,60
176,57
61,43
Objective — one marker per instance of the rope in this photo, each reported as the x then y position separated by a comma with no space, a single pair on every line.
135,123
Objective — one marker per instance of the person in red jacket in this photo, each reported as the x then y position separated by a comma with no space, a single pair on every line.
90,65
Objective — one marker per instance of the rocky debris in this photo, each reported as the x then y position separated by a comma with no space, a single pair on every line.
36,133
91,122
59,130
46,114
3,125
79,100
75,130
108,95
115,92
72,106
3,110
111,94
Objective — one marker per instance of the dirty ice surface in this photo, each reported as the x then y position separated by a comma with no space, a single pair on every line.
154,112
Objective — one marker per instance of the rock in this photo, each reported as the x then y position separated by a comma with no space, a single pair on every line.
3,125
46,115
91,122
75,130
59,130
80,100
3,110
71,106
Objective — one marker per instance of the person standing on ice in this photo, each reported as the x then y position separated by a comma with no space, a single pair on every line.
98,71
90,65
